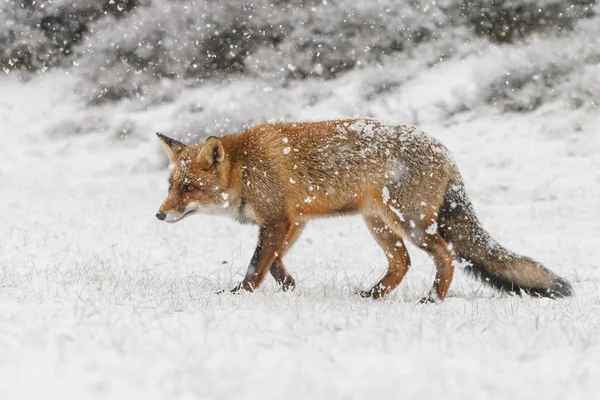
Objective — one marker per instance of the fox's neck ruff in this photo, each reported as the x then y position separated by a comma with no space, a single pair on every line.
238,207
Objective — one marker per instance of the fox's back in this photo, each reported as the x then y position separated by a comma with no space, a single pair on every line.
337,164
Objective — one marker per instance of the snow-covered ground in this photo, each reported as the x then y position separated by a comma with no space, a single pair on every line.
98,299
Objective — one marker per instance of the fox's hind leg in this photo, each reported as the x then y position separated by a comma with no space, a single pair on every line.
278,270
424,234
422,231
396,254
443,258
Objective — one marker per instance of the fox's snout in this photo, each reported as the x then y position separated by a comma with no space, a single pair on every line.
176,214
169,216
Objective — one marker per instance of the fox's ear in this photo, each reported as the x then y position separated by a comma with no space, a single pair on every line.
212,152
172,146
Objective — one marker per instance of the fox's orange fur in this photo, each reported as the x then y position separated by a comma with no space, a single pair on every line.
403,182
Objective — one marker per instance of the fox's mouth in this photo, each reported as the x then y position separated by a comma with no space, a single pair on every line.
176,216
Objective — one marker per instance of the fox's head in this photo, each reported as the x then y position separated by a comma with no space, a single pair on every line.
198,181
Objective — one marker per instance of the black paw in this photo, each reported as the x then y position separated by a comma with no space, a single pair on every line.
428,300
288,284
373,293
242,287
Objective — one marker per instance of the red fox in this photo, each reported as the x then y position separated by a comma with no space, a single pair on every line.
403,182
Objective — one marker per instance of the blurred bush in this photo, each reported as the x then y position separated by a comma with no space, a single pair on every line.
197,40
507,21
122,48
38,34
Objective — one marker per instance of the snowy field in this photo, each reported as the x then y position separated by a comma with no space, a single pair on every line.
98,299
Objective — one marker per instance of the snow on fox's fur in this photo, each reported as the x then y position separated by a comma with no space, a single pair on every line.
404,183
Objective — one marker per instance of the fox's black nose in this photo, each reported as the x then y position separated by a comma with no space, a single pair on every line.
161,215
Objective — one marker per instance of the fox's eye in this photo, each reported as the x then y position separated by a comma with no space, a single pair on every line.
188,188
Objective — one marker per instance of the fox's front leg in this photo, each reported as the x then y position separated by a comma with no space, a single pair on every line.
283,278
271,240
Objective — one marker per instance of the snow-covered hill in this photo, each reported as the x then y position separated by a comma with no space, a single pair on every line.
100,300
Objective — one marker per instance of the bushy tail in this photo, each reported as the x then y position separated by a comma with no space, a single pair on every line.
486,259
